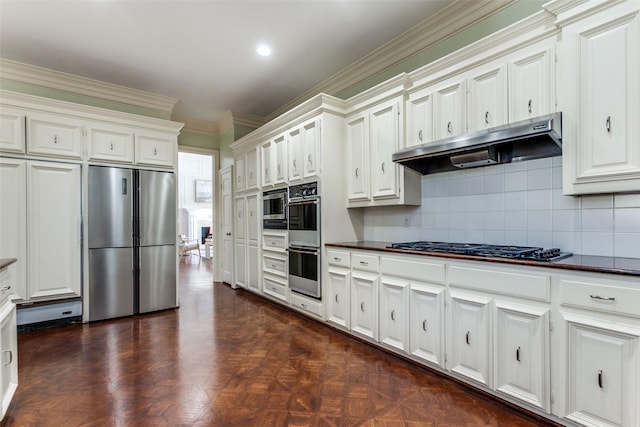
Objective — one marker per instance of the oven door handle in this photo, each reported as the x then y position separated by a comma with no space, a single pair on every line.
303,251
305,202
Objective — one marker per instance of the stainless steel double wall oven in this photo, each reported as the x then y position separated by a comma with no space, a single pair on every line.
304,240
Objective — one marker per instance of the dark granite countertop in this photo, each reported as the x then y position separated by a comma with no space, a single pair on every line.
596,264
6,262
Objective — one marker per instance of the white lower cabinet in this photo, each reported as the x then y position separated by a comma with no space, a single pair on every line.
336,295
426,323
275,265
8,354
469,336
521,353
364,304
394,313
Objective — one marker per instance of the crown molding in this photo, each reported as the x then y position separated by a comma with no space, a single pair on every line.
204,127
43,77
443,24
230,119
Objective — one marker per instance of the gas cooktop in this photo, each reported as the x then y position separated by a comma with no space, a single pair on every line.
483,250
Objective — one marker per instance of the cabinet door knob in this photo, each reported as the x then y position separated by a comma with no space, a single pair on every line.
337,298
486,118
10,353
600,378
111,146
530,106
518,354
357,173
5,288
393,315
450,127
55,139
155,151
383,171
309,159
420,135
362,306
467,337
608,124
294,163
424,325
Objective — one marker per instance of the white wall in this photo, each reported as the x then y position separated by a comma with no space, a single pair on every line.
513,204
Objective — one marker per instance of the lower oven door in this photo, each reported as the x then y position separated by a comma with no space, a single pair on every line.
304,271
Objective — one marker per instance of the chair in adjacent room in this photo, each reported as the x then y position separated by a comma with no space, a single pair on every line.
187,246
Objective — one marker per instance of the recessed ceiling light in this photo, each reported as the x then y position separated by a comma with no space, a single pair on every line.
264,50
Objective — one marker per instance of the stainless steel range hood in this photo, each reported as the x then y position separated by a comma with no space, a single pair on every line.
525,140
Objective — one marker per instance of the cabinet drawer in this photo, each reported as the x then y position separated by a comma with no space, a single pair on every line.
111,145
536,287
365,262
596,296
12,130
274,288
306,304
274,241
422,271
54,136
275,265
155,150
338,258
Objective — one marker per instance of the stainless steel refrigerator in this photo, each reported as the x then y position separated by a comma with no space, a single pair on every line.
132,238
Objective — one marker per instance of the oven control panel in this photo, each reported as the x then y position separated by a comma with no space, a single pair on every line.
303,191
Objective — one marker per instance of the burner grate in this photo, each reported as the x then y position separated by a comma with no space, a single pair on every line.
484,250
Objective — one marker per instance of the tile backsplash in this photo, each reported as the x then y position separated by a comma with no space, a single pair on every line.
513,204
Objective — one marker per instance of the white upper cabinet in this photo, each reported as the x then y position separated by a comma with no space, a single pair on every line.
419,118
385,140
280,160
251,172
253,219
12,130
487,98
532,83
54,135
110,144
358,158
155,149
601,56
311,137
450,118
296,166
267,163
239,171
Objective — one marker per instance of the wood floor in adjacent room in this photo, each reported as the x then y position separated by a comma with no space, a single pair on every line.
229,358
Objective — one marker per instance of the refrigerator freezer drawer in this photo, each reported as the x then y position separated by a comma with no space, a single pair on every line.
110,283
157,290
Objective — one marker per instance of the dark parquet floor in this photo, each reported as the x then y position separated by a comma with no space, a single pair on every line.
228,358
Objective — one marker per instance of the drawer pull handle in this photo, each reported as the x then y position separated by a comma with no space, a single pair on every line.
303,305
155,151
337,259
518,354
364,262
603,298
424,325
55,139
111,146
5,288
467,338
337,298
11,357
362,306
393,315
600,378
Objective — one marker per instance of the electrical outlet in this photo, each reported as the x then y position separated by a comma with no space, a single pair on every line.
405,221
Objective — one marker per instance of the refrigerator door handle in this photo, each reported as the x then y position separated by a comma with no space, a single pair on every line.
124,186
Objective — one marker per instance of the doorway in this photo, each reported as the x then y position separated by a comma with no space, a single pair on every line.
197,211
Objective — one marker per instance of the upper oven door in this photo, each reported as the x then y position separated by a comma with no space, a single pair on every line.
304,222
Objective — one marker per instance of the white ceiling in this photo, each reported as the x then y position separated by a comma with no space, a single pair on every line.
203,53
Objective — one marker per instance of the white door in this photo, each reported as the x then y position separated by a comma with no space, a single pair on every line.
531,85
521,360
358,158
394,313
469,323
384,127
426,323
488,98
364,304
337,298
240,253
13,221
54,222
226,224
420,118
